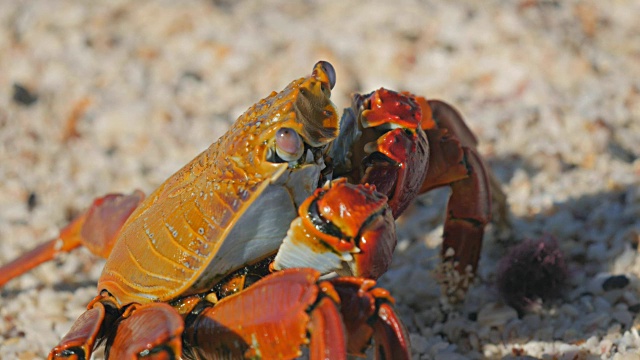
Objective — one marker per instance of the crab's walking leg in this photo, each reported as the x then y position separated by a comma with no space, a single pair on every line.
368,312
96,229
454,161
326,342
152,331
273,318
270,320
468,212
79,341
450,119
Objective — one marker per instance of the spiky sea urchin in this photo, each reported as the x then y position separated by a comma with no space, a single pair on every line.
533,271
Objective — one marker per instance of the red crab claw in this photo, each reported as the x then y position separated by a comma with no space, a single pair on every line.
381,143
96,229
341,224
276,316
406,145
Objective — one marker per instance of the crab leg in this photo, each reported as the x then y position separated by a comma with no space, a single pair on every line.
269,320
272,319
468,212
326,342
152,331
449,118
367,311
454,161
96,229
390,335
79,341
447,135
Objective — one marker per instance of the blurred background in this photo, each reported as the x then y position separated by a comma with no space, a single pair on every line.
107,96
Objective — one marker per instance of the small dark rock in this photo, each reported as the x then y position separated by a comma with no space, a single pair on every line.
32,201
615,282
192,75
618,151
23,96
473,316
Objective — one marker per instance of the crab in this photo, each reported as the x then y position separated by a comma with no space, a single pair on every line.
270,241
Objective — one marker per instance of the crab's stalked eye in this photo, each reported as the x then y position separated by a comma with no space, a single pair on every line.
289,145
331,73
328,70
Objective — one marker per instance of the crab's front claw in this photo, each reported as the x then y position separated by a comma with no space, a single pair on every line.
344,228
381,142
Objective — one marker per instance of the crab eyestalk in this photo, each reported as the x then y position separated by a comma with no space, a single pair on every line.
316,116
324,72
343,228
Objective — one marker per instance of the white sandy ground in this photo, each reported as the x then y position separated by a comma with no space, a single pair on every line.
551,88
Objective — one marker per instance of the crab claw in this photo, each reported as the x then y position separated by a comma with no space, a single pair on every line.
381,142
341,224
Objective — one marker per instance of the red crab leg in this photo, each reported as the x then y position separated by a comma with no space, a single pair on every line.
151,331
367,312
442,123
96,229
269,320
390,335
454,161
468,212
450,119
79,341
325,342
